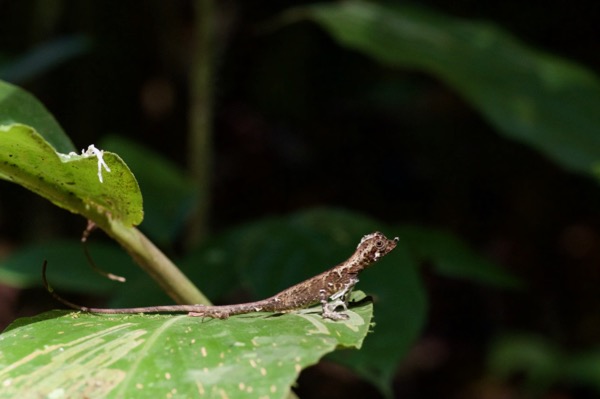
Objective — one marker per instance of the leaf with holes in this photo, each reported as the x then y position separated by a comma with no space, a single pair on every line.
71,354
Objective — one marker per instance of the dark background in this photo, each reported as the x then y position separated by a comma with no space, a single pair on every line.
301,122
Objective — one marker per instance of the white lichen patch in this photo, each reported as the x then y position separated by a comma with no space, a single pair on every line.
91,151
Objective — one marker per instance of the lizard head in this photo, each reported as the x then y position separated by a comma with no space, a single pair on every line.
375,245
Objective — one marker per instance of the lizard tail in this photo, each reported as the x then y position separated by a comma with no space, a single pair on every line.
51,291
151,309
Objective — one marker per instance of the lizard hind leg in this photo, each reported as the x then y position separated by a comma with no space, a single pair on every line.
212,314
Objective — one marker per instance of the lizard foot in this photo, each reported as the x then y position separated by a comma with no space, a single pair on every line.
333,315
329,310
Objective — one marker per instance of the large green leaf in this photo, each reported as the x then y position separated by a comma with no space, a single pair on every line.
72,182
18,106
66,354
539,99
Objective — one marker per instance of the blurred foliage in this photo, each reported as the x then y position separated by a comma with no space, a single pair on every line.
67,265
535,97
42,58
452,258
541,364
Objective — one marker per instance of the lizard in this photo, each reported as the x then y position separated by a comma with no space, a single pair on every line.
331,289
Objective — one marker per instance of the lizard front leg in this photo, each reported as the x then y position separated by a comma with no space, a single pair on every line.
340,298
329,311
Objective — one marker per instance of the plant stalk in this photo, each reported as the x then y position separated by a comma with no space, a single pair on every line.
201,115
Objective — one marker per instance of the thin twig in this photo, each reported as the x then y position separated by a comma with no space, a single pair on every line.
91,226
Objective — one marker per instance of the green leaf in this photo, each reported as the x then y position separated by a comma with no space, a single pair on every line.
18,106
70,181
546,102
169,196
149,356
451,257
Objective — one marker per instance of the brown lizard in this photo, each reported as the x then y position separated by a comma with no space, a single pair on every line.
331,289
